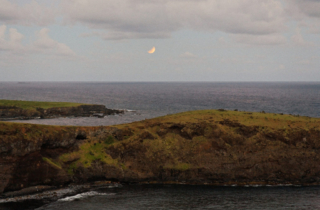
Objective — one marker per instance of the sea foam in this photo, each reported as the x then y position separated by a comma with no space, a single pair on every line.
84,195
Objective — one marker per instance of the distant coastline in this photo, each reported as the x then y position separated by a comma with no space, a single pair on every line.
25,110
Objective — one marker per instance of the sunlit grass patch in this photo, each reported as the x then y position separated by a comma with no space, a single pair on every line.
272,120
52,163
109,140
89,152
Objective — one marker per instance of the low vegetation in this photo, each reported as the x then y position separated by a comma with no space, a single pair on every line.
49,161
191,140
225,145
32,105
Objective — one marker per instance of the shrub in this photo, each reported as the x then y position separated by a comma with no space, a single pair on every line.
109,140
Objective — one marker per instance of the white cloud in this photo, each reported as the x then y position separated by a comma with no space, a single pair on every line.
12,47
12,41
46,44
15,36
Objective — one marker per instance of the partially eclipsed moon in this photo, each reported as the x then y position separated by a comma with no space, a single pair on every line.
152,50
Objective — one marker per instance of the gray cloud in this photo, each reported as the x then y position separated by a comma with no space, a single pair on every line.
262,20
29,14
121,35
306,12
299,8
129,19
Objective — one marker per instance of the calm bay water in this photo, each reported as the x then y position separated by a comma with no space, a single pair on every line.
156,99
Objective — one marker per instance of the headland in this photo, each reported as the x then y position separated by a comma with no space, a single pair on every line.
25,110
213,147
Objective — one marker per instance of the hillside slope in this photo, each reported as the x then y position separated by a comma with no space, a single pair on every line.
201,147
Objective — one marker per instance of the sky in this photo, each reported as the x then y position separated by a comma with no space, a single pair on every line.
195,40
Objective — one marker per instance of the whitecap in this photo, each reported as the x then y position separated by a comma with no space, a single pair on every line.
129,110
84,195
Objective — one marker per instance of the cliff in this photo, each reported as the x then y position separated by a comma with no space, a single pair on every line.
202,147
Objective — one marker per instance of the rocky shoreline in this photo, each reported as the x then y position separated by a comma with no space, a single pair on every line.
17,113
219,148
52,192
48,194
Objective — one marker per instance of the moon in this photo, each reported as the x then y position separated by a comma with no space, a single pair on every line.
152,50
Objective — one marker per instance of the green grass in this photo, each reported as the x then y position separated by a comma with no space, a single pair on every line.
89,152
32,105
109,140
271,120
55,165
173,150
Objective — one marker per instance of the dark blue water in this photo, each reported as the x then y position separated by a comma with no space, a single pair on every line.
157,99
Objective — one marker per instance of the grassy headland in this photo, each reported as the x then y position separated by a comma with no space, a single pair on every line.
13,109
32,105
210,146
191,139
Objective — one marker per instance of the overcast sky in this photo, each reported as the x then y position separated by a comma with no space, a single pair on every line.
195,40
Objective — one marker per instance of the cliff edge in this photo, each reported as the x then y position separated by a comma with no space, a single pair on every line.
214,147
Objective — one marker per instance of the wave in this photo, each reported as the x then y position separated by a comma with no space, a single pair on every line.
84,195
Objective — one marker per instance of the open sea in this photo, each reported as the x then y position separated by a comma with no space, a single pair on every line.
153,99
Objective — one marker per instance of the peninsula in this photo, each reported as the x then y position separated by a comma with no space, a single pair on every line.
215,147
25,110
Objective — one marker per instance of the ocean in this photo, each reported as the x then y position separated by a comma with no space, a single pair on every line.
144,100
152,99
